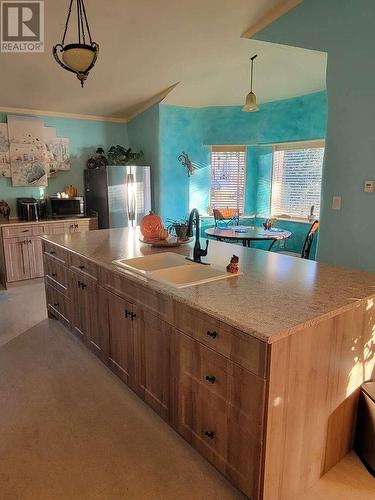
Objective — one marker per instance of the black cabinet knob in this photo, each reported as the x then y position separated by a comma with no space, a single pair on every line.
211,379
53,275
52,252
127,313
56,304
30,242
79,284
83,286
213,334
210,434
81,266
76,225
133,316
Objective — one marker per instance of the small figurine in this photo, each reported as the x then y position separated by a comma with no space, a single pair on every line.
232,267
4,210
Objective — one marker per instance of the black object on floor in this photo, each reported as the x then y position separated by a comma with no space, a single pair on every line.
365,433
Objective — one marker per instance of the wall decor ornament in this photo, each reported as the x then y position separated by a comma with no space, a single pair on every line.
187,163
4,151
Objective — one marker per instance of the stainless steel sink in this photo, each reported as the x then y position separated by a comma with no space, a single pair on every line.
174,270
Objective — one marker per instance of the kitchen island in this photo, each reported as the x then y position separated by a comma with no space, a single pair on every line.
259,372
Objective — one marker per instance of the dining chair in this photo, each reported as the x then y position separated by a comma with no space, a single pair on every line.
306,249
228,215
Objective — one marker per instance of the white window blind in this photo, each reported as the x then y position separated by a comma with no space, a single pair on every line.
297,179
228,175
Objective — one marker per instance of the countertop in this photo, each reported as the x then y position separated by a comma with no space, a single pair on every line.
276,296
16,222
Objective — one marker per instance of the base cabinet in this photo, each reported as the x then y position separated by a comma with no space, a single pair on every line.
216,404
84,298
153,362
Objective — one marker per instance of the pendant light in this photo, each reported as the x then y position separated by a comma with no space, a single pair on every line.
80,57
251,100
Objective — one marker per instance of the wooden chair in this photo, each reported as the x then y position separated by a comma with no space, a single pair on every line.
226,214
305,254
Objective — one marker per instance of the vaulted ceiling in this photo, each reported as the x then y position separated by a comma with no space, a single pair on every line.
147,46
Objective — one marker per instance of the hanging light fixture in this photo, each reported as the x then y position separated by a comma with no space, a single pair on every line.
80,57
251,100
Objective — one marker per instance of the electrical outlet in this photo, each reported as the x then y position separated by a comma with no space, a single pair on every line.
336,203
369,187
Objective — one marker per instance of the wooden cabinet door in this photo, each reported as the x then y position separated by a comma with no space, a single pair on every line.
84,297
153,362
35,257
16,253
117,321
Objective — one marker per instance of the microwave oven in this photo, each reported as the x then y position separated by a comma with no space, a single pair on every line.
66,207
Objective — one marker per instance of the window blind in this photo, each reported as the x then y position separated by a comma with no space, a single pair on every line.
228,175
297,179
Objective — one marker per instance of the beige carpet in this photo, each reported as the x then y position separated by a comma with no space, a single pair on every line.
21,307
69,429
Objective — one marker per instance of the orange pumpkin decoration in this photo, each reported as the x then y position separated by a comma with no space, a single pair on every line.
150,226
163,234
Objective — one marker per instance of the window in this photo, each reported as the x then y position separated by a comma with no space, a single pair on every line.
297,179
228,172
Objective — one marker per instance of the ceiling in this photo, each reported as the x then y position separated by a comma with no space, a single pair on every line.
148,46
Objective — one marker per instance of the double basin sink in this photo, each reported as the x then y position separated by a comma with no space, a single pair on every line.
173,269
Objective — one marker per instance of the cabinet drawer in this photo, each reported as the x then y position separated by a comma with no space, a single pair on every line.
248,351
17,231
55,252
83,266
221,434
211,373
56,274
58,305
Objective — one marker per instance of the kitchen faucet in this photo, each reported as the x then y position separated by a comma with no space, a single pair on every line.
197,252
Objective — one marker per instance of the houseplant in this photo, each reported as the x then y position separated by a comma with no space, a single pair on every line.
118,155
180,226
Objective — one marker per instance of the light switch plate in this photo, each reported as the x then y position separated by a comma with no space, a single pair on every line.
336,203
369,187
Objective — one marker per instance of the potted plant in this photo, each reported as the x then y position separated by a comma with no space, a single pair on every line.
118,155
180,227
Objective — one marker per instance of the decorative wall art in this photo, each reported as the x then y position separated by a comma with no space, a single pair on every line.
30,152
27,151
187,163
4,151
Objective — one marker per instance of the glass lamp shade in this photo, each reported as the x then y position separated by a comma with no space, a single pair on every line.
78,57
251,103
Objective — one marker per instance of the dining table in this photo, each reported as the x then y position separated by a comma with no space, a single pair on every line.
247,234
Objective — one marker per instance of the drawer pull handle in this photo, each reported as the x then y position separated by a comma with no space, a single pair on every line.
53,275
52,252
81,266
76,225
213,334
83,286
25,231
127,313
133,316
210,434
56,304
211,379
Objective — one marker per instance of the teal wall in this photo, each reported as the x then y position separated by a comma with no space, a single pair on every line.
194,130
143,133
85,136
344,29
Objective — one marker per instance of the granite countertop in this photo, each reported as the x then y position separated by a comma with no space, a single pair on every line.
16,222
276,296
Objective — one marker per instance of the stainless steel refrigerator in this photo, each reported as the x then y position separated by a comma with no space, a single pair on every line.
120,196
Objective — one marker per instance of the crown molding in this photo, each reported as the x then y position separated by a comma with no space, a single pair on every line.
75,116
150,102
272,15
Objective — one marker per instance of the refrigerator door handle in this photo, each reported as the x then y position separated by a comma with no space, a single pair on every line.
131,198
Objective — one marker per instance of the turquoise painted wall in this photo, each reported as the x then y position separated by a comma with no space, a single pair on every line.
181,129
85,136
194,130
143,133
344,29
